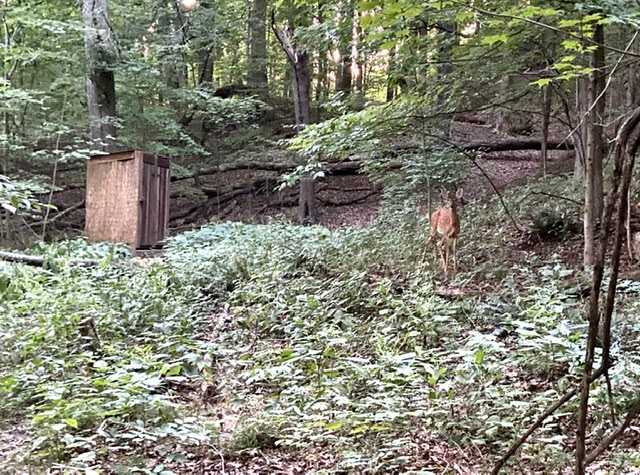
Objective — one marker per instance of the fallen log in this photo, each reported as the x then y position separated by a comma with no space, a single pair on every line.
336,168
359,199
516,144
39,261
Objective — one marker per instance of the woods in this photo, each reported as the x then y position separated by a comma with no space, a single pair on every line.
233,236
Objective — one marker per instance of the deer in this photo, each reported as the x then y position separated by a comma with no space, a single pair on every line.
446,223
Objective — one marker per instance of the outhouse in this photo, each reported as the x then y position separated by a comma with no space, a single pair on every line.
128,198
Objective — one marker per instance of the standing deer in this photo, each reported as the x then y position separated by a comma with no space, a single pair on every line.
446,223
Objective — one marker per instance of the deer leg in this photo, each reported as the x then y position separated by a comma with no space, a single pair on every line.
445,258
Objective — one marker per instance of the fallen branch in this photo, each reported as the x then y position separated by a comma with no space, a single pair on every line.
38,261
552,195
336,168
615,434
546,414
329,202
515,144
63,213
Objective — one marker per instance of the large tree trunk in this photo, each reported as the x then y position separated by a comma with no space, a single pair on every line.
257,54
100,84
301,83
593,198
299,61
307,208
205,79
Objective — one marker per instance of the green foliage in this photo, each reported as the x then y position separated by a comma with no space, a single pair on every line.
315,340
94,357
548,223
17,197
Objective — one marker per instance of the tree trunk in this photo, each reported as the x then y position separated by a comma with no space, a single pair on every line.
593,199
580,134
206,68
391,83
346,44
321,82
359,57
257,54
504,118
302,81
100,84
632,88
298,59
307,208
287,84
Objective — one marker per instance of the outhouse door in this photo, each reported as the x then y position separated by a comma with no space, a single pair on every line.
154,200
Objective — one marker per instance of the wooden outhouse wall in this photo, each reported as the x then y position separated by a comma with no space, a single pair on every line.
112,203
154,216
128,198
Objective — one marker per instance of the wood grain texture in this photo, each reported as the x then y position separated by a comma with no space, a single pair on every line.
128,198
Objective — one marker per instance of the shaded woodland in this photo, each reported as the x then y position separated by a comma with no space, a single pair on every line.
402,237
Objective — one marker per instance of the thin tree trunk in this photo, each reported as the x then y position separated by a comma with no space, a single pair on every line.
580,131
307,207
302,81
257,54
595,149
322,79
359,56
100,84
321,82
391,83
346,42
206,68
298,59
592,215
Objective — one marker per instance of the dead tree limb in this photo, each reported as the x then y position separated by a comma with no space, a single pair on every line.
359,199
38,261
615,434
63,213
553,195
538,423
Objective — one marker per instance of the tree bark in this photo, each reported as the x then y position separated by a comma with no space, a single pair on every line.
307,206
345,47
301,83
391,84
298,59
206,67
257,54
593,200
360,59
100,54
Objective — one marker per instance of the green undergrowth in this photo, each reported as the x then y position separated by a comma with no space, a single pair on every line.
313,341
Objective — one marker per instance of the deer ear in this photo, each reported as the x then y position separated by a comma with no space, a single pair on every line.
460,193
